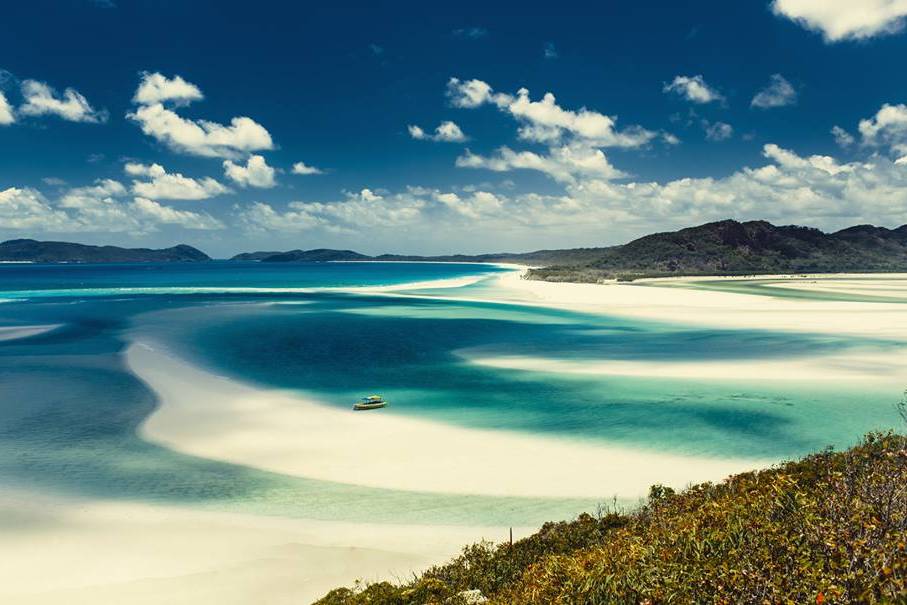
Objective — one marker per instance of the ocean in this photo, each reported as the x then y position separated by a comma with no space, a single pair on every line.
70,408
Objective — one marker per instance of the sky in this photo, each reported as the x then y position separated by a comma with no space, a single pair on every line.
469,127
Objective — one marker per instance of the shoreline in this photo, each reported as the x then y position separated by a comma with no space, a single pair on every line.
700,306
218,418
147,554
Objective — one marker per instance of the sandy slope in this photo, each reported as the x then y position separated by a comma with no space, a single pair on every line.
55,551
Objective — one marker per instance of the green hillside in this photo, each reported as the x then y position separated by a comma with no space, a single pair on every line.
830,528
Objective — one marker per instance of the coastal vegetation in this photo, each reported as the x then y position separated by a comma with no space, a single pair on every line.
733,248
830,528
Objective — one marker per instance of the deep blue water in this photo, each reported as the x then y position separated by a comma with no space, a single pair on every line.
69,407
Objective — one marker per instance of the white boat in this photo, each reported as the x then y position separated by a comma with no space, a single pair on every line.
372,402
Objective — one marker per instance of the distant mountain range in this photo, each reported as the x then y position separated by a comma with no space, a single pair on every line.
65,252
721,248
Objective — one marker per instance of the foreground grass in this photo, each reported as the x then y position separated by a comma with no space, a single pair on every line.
830,528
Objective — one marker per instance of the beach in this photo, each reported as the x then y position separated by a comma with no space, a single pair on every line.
59,548
102,552
672,300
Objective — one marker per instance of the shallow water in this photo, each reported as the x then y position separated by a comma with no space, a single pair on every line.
69,407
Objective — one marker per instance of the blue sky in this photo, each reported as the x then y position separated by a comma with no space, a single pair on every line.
426,130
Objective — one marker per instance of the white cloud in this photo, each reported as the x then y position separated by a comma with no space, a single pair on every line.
256,173
788,159
564,164
546,121
6,111
24,208
789,188
302,168
693,89
366,210
41,99
550,52
470,94
840,20
99,208
887,128
171,186
717,131
259,216
195,137
842,137
778,93
447,132
171,216
157,88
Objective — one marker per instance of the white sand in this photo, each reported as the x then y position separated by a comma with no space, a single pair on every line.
17,332
56,552
663,300
221,419
856,365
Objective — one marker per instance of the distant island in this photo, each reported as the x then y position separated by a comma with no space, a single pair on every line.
721,248
29,250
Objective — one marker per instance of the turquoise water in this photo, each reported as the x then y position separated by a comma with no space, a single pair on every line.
69,407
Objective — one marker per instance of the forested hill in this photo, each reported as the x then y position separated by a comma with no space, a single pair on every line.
734,248
29,250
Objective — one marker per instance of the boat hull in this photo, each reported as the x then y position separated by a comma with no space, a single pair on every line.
359,407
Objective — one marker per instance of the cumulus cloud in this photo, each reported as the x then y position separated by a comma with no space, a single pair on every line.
564,164
693,89
446,132
366,210
717,131
357,211
6,111
788,187
157,88
546,121
103,207
27,209
778,93
255,173
839,20
41,99
160,214
842,137
195,137
171,186
816,190
887,128
304,169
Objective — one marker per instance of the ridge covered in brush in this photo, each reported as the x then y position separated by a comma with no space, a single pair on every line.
730,247
830,528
